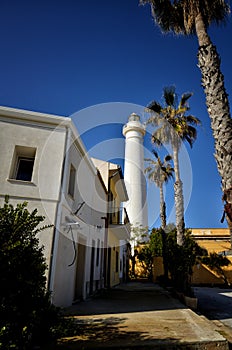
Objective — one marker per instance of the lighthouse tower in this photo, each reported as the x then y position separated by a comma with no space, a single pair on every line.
134,178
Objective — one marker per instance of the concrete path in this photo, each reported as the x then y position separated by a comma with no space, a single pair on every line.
140,316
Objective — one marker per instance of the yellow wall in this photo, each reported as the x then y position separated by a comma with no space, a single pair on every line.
158,269
113,243
214,240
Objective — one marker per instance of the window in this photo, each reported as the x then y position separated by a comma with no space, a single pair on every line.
23,163
117,256
98,252
24,169
112,208
72,178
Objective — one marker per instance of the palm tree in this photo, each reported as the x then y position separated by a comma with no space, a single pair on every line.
160,172
173,126
194,17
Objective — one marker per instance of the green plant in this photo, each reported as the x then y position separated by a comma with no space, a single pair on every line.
25,308
180,259
145,257
139,235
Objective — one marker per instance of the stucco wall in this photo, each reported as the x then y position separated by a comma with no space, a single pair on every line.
80,243
43,190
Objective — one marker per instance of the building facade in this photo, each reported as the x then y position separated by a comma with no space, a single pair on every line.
44,162
117,222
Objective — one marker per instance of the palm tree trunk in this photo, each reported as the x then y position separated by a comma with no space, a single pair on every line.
179,199
217,104
162,208
163,226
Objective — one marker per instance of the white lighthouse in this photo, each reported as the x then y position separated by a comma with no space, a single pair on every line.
134,178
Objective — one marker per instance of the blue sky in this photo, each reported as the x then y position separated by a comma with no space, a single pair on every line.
62,57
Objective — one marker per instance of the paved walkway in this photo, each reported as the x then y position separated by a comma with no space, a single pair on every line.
141,316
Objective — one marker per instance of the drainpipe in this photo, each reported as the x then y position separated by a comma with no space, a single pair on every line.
64,179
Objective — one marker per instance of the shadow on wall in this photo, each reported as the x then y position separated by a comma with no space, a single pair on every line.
202,274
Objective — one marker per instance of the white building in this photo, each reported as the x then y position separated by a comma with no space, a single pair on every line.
44,162
117,222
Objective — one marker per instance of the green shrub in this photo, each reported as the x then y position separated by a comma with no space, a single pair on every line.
180,259
25,308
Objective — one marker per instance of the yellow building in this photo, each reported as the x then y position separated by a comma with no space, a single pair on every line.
215,240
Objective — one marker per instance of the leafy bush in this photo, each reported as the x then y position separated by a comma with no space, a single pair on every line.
25,308
145,257
180,259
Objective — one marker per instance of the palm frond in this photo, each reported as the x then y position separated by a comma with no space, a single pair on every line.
179,16
215,11
189,140
154,106
155,154
192,132
159,171
169,93
172,124
156,140
184,98
193,120
148,160
148,169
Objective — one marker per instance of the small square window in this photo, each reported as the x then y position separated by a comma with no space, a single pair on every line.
23,163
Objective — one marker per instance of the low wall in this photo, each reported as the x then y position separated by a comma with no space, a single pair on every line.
201,273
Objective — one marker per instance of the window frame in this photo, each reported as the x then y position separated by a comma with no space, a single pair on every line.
22,153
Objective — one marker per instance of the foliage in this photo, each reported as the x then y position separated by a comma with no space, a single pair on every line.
179,16
173,125
172,119
157,170
215,262
26,311
160,172
180,259
145,257
139,235
194,17
155,243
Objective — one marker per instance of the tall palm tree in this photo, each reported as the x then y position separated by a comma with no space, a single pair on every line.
160,172
194,17
174,126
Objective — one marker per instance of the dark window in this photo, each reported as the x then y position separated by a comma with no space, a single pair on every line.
24,169
98,252
117,256
72,178
22,163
